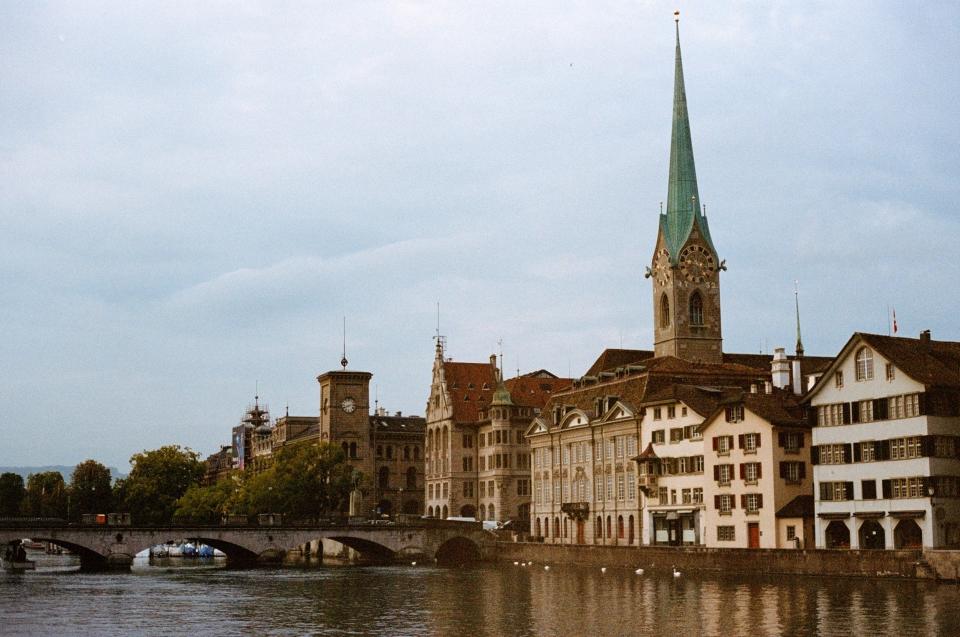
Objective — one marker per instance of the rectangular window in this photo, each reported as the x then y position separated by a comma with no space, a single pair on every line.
792,441
657,413
726,534
467,441
609,487
445,489
866,410
751,442
724,473
944,447
698,495
903,448
683,465
621,488
734,413
868,489
676,435
890,371
620,446
833,454
609,447
631,486
566,492
683,411
792,471
696,464
556,491
631,446
483,463
867,451
724,504
791,533
673,496
483,489
598,445
657,437
662,495
723,444
836,491
686,496
911,405
838,379
599,485
751,472
753,502
671,412
566,454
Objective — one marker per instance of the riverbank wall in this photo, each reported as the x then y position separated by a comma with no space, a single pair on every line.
913,564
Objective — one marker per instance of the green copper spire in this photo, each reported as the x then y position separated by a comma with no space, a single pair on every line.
683,200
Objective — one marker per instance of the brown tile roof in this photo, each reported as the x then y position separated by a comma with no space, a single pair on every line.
611,359
799,507
780,408
399,424
535,391
701,399
933,363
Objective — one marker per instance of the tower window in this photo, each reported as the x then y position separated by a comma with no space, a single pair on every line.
696,309
664,311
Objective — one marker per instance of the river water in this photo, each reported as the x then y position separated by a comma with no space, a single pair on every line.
490,599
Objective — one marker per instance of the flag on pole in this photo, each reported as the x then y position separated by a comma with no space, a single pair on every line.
894,320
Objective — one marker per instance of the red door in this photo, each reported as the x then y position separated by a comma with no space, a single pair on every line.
753,534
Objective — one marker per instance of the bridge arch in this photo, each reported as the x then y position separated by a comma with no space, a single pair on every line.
89,557
458,550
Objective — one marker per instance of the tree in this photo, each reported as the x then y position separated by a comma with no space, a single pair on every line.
157,480
210,503
304,481
12,493
46,495
90,490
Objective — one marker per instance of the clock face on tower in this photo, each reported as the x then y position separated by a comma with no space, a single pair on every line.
697,264
349,405
661,267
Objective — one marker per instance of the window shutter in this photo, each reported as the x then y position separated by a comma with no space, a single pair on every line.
716,471
848,453
848,490
759,499
880,409
802,437
759,471
783,469
927,446
756,439
814,454
887,491
857,455
885,448
743,500
743,470
781,439
803,471
812,416
715,443
740,441
854,412
716,501
846,413
733,502
922,404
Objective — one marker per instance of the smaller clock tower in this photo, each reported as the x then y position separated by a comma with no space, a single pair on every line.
345,416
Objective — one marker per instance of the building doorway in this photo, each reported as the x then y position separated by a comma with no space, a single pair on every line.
581,532
753,535
907,535
837,535
468,511
871,536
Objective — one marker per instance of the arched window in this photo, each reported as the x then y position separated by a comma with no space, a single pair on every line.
429,512
406,453
696,308
598,529
412,478
384,478
556,527
609,528
346,450
864,364
483,512
416,453
389,452
491,513
537,534
620,527
630,526
664,311
353,450
444,511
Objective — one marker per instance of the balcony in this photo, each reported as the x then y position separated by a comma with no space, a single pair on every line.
647,480
576,510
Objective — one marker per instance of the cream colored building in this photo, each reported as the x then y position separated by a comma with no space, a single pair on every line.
756,452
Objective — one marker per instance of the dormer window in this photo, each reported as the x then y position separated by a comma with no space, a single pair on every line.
598,407
734,413
890,371
611,401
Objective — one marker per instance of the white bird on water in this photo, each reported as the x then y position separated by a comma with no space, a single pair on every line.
413,563
603,569
547,567
639,571
676,573
516,563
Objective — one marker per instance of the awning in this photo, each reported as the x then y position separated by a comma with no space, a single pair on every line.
869,514
833,516
907,514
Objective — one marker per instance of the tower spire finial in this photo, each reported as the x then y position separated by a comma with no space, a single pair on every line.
796,300
343,361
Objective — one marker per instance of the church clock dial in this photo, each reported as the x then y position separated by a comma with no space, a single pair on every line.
349,405
661,267
696,263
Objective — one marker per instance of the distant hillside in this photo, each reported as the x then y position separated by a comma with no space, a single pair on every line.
64,470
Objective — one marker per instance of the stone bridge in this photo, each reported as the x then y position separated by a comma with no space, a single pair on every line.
114,547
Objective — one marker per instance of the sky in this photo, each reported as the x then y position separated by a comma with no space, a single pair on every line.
194,195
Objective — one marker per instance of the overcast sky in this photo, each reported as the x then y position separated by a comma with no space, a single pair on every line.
193,195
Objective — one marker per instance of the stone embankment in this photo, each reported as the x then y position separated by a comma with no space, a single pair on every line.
913,564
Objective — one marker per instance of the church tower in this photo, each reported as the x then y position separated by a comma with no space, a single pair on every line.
685,269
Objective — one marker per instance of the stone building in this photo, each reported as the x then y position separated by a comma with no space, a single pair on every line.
477,460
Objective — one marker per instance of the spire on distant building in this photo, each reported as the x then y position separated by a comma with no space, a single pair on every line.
683,198
796,300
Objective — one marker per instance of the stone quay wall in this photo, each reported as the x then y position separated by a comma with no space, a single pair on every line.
914,564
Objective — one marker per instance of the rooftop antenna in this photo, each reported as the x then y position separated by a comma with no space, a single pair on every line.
796,301
518,365
376,399
500,347
441,341
661,207
343,361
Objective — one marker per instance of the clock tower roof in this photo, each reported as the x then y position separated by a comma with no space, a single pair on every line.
683,198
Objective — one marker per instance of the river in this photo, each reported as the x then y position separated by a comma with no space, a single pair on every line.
489,599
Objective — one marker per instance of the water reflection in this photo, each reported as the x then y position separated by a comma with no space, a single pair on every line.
187,597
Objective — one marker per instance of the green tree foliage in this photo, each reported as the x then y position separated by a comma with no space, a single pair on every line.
90,489
305,481
210,503
46,495
12,493
157,480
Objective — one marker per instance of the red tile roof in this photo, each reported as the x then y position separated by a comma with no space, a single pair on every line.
933,363
471,387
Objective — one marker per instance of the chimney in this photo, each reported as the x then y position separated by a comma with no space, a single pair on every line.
925,337
493,360
797,377
399,414
767,387
780,368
